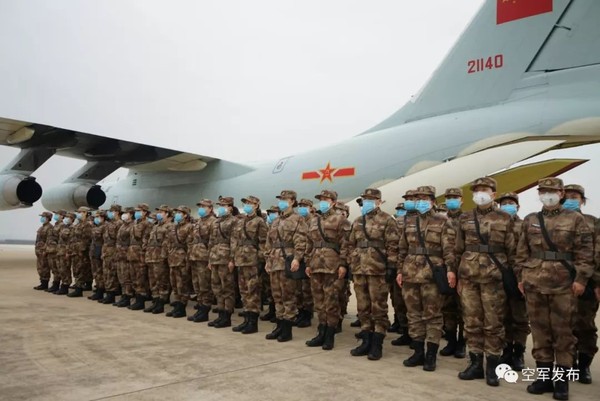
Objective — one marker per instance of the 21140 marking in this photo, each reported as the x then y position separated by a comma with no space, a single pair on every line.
481,64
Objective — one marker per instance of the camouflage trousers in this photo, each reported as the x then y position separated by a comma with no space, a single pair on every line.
304,297
54,266
249,284
552,317
284,295
201,279
181,283
160,285
516,321
371,302
483,314
452,313
585,326
97,275
344,294
141,279
325,290
424,311
124,275
64,265
399,305
109,271
43,268
82,270
265,287
223,286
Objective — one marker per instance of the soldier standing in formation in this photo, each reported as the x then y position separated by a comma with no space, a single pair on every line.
304,297
51,251
43,267
178,237
400,311
109,254
95,253
63,253
81,238
123,269
138,241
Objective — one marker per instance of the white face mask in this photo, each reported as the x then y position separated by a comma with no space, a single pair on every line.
125,217
482,198
550,199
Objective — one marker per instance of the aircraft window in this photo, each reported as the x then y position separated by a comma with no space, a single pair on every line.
134,182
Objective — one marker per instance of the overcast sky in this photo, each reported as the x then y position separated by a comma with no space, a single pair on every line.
239,80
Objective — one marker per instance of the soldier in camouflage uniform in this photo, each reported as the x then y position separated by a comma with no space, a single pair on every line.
516,321
585,329
551,281
373,247
109,254
326,260
452,311
43,268
272,214
178,238
304,298
156,259
221,261
96,254
400,324
51,250
63,253
138,240
198,259
248,248
81,238
344,292
123,269
480,287
286,239
426,239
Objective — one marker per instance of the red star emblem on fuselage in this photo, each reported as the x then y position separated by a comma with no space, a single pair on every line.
327,173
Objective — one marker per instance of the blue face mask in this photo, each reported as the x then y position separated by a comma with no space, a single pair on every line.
178,218
283,205
67,220
43,220
324,206
150,220
159,217
422,206
409,205
97,221
137,215
367,206
271,217
509,208
55,217
110,215
303,211
572,204
453,204
221,211
201,212
400,213
248,209
78,216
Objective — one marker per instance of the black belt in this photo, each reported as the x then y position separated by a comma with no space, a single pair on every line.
485,248
370,244
550,255
325,244
278,244
424,251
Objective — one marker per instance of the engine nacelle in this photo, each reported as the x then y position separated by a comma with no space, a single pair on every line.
71,196
18,191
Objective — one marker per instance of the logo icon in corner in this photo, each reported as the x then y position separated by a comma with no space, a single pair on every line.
329,173
504,371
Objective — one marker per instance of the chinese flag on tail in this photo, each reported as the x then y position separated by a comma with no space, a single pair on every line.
510,10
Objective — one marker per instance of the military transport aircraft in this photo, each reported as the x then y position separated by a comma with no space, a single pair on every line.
521,80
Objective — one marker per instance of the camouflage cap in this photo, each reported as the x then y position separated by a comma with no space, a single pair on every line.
128,209
205,202
428,190
143,206
273,209
508,195
410,193
115,207
287,194
251,199
400,206
61,212
551,183
83,209
453,192
372,193
183,209
575,188
484,182
100,213
164,208
46,214
326,193
305,202
342,206
225,201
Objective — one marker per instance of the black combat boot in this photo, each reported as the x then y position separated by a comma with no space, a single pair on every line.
97,295
252,326
355,323
76,293
518,360
276,331
329,339
217,320
124,301
63,290
88,286
286,331
584,362
430,357
152,305
338,327
418,356
224,322
376,350
507,354
561,387
202,315
298,317
160,306
460,345
491,362
541,386
365,346
475,368
450,348
54,288
320,337
394,327
43,285
305,319
178,310
403,340
242,325
139,302
270,315
108,299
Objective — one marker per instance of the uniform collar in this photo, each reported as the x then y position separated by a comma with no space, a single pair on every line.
287,212
555,212
454,213
485,211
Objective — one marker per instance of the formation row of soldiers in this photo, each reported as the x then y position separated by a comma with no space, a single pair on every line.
483,277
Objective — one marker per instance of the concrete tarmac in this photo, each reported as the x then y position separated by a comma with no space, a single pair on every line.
58,348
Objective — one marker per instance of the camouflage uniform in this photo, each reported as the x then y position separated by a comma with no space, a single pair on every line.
138,240
96,255
265,281
124,272
304,297
344,292
81,238
109,255
63,255
372,258
327,251
400,324
51,250
421,295
177,243
43,268
198,256
156,257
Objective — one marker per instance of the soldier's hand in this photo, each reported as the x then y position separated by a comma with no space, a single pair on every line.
308,272
341,272
521,288
268,268
451,279
295,265
597,291
231,266
399,279
209,266
578,289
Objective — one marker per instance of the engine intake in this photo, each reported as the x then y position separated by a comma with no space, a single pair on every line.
17,191
71,196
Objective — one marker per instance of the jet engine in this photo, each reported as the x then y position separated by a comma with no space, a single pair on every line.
17,191
70,196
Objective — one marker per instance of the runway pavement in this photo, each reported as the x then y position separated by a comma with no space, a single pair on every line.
58,348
